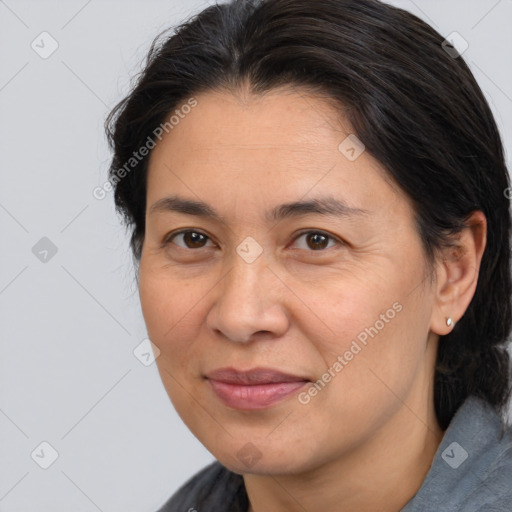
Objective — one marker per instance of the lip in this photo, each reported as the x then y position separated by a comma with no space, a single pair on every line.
257,388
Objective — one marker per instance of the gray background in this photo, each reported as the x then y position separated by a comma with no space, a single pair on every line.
69,325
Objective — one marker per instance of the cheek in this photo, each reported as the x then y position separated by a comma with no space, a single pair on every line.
371,337
344,311
170,312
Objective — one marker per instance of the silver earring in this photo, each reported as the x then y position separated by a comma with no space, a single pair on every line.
449,321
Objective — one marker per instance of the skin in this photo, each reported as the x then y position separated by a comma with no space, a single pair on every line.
367,439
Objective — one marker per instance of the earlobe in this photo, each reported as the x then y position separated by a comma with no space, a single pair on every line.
457,274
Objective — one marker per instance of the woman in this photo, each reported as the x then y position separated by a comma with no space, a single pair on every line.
318,201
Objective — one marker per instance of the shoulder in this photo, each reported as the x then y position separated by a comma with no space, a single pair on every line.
493,489
214,488
472,468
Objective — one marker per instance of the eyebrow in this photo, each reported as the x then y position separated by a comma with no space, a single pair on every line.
328,206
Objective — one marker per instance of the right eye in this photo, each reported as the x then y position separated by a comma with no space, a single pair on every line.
190,238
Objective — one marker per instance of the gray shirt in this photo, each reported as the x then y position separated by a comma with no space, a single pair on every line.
471,472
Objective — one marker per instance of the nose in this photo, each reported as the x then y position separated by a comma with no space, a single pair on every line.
249,303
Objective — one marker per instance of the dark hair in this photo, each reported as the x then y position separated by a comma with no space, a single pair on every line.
417,109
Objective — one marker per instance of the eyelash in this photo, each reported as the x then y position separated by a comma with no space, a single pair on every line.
170,236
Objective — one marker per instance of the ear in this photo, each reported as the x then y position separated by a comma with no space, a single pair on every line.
457,274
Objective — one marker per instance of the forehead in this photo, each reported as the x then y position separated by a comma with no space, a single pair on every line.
285,142
284,117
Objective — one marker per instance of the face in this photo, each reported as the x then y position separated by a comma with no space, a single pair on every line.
332,294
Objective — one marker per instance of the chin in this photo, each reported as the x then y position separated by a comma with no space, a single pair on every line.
260,466
260,458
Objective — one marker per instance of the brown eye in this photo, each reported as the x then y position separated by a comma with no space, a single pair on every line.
316,240
191,239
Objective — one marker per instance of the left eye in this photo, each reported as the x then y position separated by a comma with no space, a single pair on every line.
316,240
